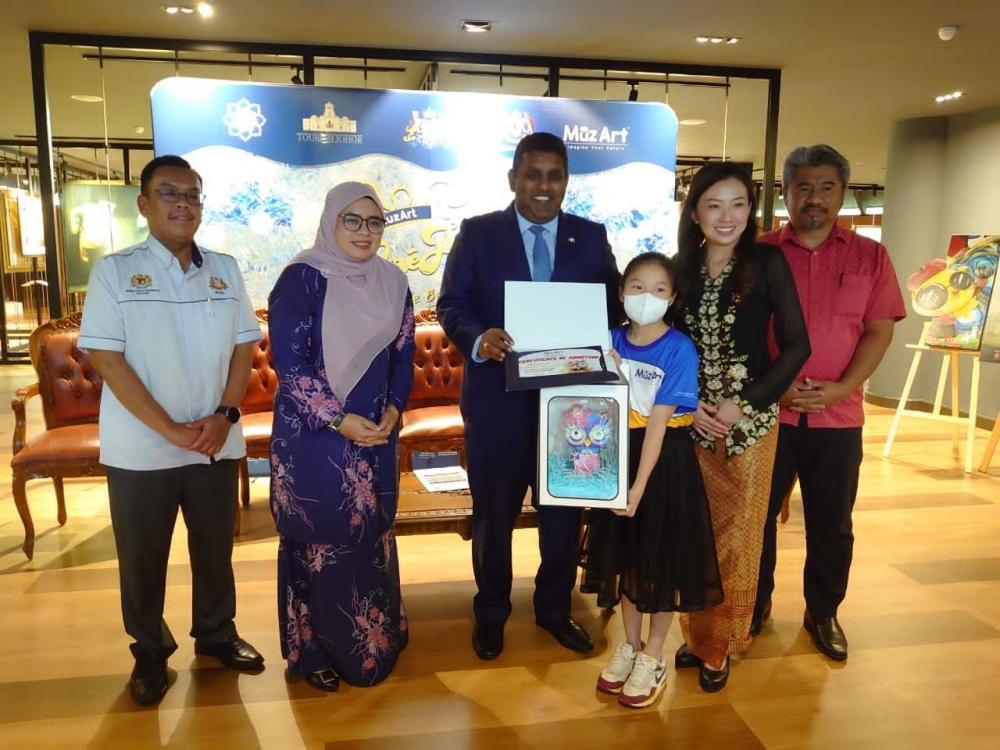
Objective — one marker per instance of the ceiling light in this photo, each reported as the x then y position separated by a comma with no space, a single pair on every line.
203,9
948,97
693,121
717,39
476,27
88,98
633,95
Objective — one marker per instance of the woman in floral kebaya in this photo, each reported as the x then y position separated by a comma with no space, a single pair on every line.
734,290
341,325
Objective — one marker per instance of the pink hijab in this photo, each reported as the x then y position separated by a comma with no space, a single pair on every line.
363,307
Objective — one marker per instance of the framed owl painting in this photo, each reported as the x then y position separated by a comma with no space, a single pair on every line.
583,446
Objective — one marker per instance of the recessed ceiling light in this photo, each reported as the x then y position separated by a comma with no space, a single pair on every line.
88,98
948,97
693,121
717,39
203,9
476,27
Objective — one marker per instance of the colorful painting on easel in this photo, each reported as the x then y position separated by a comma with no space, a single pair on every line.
955,292
583,450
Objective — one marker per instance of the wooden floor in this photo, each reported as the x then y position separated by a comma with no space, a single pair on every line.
922,617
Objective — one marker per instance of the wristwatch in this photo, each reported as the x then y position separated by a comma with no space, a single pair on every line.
231,413
334,424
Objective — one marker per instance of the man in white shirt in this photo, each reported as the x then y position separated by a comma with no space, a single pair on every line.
171,331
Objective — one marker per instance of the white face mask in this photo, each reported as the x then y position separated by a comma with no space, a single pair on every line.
644,308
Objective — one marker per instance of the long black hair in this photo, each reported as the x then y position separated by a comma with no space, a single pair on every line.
691,240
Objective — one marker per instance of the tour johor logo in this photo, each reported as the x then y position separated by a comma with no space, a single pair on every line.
329,127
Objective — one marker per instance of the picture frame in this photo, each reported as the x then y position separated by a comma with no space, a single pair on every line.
583,446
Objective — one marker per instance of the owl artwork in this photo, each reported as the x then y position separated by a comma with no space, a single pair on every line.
587,433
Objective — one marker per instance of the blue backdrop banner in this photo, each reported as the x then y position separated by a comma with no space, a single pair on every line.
269,153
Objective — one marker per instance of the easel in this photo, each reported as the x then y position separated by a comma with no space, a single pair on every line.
950,357
991,446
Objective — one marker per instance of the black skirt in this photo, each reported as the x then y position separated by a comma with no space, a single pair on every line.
663,559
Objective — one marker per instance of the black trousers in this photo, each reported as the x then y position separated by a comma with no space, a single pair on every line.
144,508
827,462
499,479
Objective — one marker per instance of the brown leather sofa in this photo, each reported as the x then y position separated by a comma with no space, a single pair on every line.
431,420
257,405
70,393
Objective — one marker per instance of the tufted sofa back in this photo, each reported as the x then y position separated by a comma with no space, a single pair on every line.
69,386
437,368
263,378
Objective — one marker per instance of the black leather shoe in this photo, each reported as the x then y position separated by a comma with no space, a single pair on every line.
234,653
685,658
759,617
487,639
326,680
148,682
827,635
712,681
569,633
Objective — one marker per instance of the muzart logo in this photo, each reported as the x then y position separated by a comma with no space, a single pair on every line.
141,281
584,136
217,284
244,119
427,129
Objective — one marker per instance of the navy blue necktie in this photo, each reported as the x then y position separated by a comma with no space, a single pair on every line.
541,262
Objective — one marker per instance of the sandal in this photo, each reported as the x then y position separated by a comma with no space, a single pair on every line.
326,680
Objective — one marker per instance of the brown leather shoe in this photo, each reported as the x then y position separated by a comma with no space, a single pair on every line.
234,653
827,635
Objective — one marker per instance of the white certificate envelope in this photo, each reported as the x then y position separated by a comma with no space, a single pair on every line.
555,315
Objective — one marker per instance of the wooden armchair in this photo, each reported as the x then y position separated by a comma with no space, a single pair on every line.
70,392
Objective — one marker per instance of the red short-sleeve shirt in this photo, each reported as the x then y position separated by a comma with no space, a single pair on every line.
844,283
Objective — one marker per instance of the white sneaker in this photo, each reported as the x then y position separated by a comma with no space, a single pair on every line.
644,685
615,674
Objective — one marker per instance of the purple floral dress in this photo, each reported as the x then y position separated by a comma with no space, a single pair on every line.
334,502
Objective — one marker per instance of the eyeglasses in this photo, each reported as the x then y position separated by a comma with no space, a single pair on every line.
353,222
193,197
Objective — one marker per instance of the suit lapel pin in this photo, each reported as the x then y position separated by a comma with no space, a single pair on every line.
571,240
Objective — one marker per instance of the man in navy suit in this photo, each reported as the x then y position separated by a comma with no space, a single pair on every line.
531,240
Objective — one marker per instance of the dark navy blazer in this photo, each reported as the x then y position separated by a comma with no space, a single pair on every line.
489,251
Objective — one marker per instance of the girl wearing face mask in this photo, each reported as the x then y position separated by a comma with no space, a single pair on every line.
658,555
735,292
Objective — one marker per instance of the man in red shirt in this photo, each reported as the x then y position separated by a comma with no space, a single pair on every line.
851,301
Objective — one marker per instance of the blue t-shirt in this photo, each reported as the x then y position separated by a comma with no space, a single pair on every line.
663,373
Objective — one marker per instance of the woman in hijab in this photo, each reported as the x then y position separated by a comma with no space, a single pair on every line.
341,330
